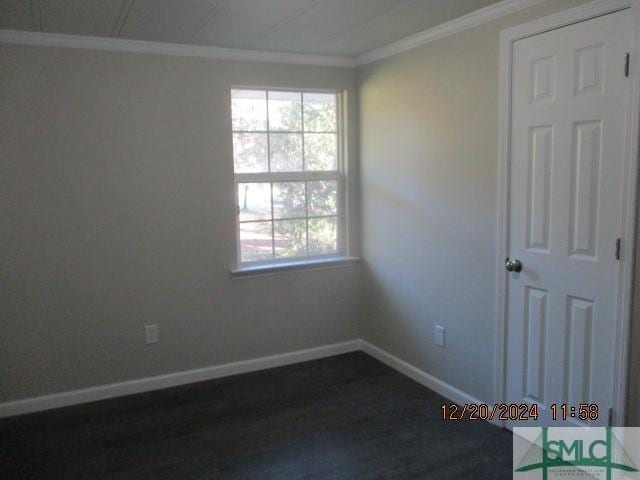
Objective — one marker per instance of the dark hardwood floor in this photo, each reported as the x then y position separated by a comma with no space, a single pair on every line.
345,417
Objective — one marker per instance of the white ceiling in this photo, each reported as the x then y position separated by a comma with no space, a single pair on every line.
326,27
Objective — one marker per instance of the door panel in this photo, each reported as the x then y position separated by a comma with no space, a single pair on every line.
585,172
540,160
536,312
567,153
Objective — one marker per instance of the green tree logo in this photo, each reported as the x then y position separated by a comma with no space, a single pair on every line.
607,453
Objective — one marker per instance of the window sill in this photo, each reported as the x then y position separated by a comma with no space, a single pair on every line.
277,268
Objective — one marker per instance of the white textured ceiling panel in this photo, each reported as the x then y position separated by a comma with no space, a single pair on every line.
309,31
404,19
326,27
16,15
81,17
166,20
241,23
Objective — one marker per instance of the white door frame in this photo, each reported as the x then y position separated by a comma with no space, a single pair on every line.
623,320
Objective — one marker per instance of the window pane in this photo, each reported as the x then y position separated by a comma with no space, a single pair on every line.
286,152
320,151
288,200
256,242
323,238
250,152
249,109
320,112
254,201
285,111
290,238
322,197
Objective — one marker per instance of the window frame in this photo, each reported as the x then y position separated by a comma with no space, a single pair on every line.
339,175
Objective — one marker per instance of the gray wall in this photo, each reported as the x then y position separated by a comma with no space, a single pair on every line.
118,210
429,161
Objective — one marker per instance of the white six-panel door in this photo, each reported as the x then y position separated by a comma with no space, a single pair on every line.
567,156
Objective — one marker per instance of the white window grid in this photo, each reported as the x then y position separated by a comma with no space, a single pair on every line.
339,175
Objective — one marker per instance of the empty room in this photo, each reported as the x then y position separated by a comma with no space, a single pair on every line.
319,239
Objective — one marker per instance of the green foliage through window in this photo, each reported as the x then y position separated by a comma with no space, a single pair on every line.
285,151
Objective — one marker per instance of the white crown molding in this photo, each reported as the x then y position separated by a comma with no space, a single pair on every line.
160,48
471,20
457,25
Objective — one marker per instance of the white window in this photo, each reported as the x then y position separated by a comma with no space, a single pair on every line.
287,151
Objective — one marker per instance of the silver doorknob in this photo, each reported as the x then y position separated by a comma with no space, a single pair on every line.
513,266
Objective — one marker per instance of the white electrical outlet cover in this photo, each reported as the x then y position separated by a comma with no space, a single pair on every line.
439,335
151,334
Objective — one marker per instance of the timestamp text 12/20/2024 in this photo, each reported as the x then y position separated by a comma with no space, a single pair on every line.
504,412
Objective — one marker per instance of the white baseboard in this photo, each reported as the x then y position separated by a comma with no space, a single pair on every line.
103,392
443,388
